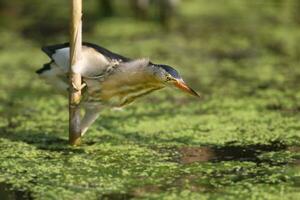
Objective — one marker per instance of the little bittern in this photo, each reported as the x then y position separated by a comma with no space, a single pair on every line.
110,79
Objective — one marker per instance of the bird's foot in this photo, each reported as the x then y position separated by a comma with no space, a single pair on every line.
80,88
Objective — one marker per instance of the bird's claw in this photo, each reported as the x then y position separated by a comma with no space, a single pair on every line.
80,88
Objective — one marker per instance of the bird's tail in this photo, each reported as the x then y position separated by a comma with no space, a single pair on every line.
46,67
54,75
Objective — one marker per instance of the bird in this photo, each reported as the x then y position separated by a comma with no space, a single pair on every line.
110,79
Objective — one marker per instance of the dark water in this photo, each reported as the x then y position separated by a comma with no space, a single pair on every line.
7,193
231,153
116,196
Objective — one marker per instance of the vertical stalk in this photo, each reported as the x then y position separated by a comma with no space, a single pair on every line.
75,78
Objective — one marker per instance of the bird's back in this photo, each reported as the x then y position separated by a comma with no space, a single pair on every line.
126,79
95,58
95,61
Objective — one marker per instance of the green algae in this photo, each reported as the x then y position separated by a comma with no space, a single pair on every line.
240,141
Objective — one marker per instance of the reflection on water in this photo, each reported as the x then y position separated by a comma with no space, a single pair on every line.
6,193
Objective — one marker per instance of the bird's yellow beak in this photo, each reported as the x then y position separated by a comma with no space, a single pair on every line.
184,87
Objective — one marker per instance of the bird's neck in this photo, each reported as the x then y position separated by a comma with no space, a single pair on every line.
138,72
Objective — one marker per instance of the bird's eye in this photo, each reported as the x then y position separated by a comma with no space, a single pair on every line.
169,78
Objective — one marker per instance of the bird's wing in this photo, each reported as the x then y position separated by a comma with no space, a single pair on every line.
107,53
51,49
96,59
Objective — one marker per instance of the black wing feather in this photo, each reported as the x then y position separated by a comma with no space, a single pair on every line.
50,50
106,52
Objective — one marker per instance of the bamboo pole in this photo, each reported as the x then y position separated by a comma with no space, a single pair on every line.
75,78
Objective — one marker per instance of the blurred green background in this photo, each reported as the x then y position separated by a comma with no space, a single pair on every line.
240,141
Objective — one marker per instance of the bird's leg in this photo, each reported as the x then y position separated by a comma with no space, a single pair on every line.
90,115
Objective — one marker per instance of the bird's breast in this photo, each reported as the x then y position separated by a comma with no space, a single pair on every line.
120,89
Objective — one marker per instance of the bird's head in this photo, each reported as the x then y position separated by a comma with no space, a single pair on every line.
170,77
